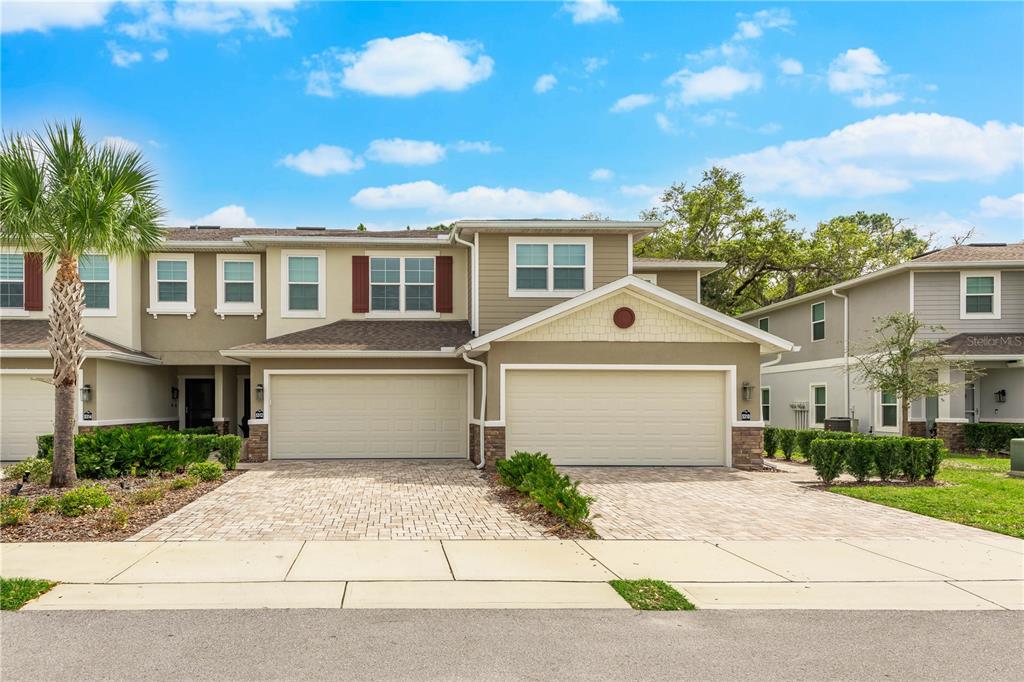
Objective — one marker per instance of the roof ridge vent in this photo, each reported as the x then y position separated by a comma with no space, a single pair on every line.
316,229
983,244
204,227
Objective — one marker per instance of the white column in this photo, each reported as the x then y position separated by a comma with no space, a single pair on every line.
951,406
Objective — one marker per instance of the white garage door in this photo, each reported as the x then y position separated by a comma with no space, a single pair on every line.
26,411
369,415
609,417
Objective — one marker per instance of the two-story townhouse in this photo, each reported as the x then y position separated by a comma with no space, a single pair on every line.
495,337
971,298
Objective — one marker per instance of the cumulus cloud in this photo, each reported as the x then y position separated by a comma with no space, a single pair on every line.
998,207
592,64
631,102
592,11
791,67
882,155
46,16
324,159
120,142
399,67
544,83
638,190
160,55
479,201
665,125
754,25
862,75
231,215
119,56
153,20
481,147
405,152
717,83
602,174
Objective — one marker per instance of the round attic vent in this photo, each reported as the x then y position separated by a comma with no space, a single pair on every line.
624,318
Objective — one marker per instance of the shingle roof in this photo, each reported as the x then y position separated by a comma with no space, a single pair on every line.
985,344
32,335
189,234
974,253
371,335
667,261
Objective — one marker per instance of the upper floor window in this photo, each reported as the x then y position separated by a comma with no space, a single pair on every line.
979,295
762,324
540,266
97,275
172,284
12,280
238,284
303,284
401,284
818,321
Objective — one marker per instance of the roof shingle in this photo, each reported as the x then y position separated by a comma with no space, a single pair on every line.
979,254
371,335
189,234
32,335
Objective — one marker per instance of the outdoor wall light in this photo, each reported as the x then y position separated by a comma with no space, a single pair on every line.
86,393
259,391
748,390
174,393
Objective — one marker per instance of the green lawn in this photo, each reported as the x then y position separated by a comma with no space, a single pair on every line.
16,592
651,595
983,495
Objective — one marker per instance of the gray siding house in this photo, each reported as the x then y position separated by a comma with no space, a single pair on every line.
973,294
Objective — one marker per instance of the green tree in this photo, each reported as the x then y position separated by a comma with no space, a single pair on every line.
60,195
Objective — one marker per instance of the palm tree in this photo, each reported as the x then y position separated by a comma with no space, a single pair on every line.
66,198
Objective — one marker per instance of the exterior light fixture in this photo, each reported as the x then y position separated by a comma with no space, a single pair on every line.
748,390
86,393
174,393
259,391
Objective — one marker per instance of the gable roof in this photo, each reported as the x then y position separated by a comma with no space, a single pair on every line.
769,342
29,338
974,253
362,337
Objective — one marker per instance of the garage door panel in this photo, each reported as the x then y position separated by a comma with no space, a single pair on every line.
371,415
26,411
616,417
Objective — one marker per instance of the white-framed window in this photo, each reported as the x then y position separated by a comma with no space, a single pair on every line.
546,267
238,284
172,284
651,277
980,294
888,412
12,282
766,404
98,274
819,397
762,324
402,285
818,321
303,283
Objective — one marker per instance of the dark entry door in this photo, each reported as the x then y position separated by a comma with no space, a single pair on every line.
246,407
198,402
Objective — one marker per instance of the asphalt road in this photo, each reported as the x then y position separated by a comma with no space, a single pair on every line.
533,645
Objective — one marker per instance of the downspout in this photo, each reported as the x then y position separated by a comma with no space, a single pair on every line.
483,403
846,346
777,360
474,281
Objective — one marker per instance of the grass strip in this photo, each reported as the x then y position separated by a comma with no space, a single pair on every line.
651,595
16,592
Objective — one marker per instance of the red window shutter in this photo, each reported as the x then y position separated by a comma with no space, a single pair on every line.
360,284
444,283
33,281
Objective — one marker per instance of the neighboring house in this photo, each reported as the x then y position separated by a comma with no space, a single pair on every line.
545,334
974,293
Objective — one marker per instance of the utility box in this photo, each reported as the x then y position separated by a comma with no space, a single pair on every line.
847,424
1017,457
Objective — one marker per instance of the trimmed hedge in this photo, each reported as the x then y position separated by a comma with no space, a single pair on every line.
533,473
991,437
787,441
229,450
863,455
771,441
828,457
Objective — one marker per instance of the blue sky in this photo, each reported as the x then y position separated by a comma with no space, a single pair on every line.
282,113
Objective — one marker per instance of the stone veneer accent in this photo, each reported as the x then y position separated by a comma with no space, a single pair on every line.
952,435
919,429
747,447
494,444
255,447
223,427
86,428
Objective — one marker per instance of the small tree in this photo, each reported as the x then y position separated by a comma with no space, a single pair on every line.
898,362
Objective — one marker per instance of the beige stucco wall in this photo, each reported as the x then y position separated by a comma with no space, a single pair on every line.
128,391
610,258
681,282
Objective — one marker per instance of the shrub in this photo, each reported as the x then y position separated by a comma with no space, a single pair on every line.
888,453
38,470
935,453
198,448
513,470
914,459
206,471
860,457
46,503
84,499
804,438
44,446
828,457
229,449
13,511
535,475
116,519
787,441
183,482
199,431
146,495
564,499
771,441
991,437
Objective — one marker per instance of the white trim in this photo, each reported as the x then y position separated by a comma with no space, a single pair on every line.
698,287
728,370
749,425
133,420
705,266
223,307
16,312
803,366
182,394
761,401
952,420
321,289
551,292
911,301
401,313
651,277
813,405
111,309
824,316
988,358
1008,420
113,355
996,294
629,256
476,283
766,319
344,241
876,399
240,400
188,307
242,353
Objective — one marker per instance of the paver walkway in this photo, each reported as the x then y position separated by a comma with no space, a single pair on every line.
347,500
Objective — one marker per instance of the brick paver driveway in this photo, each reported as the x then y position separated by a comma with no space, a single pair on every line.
347,500
705,503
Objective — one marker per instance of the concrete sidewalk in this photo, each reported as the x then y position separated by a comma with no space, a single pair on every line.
812,574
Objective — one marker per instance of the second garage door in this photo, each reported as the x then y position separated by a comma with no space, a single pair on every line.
368,415
613,417
26,411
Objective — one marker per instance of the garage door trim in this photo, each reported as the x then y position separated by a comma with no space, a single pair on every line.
728,370
268,384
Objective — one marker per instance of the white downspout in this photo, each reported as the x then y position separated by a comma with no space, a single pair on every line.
846,346
770,363
483,404
474,282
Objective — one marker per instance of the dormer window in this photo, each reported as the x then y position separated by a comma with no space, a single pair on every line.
544,267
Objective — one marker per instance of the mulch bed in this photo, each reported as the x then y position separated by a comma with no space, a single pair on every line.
96,527
525,508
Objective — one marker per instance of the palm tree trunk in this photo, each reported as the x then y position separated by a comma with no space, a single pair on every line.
66,341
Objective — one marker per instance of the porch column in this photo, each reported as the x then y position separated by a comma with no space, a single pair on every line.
223,398
950,424
918,419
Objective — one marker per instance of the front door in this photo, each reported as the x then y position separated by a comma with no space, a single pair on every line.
198,402
246,407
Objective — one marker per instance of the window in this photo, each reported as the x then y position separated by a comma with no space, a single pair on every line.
890,410
544,267
979,295
303,285
238,285
762,324
818,321
401,284
96,274
171,284
818,400
766,404
172,281
12,280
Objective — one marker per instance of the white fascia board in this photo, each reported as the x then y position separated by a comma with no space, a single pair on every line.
243,354
986,358
116,356
706,267
556,225
348,241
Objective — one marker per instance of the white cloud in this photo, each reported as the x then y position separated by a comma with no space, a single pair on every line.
479,201
545,83
602,174
482,147
405,152
17,17
122,142
592,11
399,67
323,160
998,207
631,102
592,64
664,124
791,67
160,55
861,74
717,83
754,25
231,215
884,154
122,57
638,190
155,19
